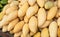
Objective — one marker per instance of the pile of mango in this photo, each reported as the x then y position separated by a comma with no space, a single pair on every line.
31,18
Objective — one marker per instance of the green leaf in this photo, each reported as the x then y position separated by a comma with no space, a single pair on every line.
1,6
4,1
